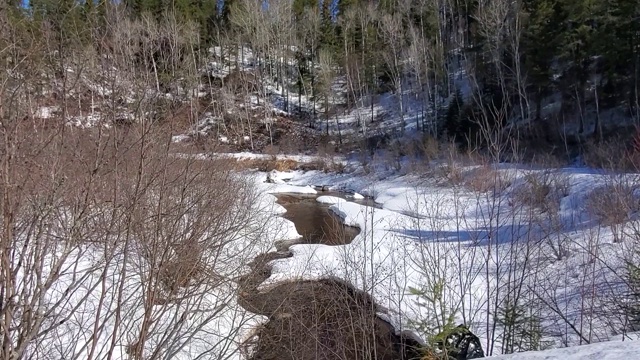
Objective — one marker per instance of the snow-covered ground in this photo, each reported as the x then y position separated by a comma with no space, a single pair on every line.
608,350
439,253
98,299
433,253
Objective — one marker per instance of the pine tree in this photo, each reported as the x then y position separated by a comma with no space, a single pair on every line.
577,50
301,6
328,36
617,42
345,5
453,121
541,45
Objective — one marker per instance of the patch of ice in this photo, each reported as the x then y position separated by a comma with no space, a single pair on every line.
330,200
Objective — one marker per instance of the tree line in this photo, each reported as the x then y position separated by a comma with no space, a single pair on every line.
470,65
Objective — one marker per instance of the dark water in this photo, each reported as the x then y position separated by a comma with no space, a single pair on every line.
314,221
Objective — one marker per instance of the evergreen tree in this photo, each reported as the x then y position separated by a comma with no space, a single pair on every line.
541,45
301,6
577,50
453,117
328,36
345,5
617,43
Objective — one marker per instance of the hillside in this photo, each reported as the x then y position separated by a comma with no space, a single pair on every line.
475,161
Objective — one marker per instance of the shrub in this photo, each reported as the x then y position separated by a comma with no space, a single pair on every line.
612,205
267,165
485,179
542,190
616,154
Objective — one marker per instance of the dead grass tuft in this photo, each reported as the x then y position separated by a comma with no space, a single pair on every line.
485,179
449,174
612,205
285,165
267,165
542,191
617,154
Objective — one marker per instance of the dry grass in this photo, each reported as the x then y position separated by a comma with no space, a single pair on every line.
485,179
612,205
284,164
267,165
542,191
616,154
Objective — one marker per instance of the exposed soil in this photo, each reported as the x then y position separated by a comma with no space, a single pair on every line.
320,319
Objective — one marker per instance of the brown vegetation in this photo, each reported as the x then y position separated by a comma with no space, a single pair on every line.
612,205
542,190
485,178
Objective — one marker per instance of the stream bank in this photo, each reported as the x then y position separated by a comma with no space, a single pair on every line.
316,319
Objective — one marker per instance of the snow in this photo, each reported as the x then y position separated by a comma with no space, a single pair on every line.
46,112
424,226
425,231
609,350
279,177
180,138
284,188
332,200
86,121
94,282
256,156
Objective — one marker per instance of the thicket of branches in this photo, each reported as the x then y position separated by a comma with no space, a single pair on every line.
109,211
553,65
510,58
111,246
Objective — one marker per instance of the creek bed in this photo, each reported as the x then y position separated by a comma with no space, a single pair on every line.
314,221
316,319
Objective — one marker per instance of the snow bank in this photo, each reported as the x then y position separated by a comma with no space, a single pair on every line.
279,177
331,200
357,196
425,228
608,350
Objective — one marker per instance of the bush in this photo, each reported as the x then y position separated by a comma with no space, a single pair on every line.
457,343
616,154
450,174
267,165
485,179
612,205
542,191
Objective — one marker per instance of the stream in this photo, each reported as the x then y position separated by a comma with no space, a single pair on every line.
316,319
